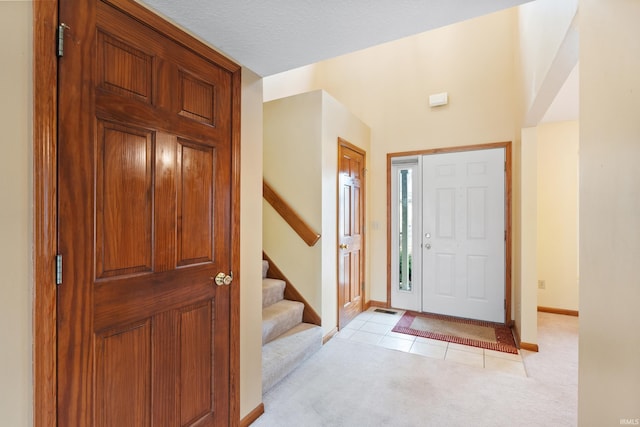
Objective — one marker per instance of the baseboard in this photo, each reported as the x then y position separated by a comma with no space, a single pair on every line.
559,311
528,346
522,345
330,335
372,303
252,416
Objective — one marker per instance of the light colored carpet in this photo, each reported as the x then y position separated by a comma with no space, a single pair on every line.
279,318
287,351
353,384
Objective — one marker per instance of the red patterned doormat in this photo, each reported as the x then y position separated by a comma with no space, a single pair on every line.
477,333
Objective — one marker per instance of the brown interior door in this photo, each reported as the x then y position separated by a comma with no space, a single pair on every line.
350,232
144,224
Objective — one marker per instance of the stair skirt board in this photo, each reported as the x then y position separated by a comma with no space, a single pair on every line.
282,355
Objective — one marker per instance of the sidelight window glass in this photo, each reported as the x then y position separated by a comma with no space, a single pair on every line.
405,209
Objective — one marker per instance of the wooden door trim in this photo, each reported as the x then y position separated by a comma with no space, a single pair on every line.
507,201
344,143
45,82
234,309
45,130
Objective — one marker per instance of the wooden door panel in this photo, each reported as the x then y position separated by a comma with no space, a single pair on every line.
196,354
345,230
344,279
124,69
123,377
195,203
356,276
123,200
357,217
197,98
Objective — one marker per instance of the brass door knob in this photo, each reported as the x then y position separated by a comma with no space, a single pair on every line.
223,279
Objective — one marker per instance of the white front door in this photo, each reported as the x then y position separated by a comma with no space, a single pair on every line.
463,234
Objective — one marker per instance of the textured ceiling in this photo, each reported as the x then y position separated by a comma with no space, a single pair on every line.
271,36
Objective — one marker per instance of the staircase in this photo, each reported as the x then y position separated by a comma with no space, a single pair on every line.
286,340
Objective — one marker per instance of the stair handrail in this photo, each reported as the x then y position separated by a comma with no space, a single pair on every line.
291,217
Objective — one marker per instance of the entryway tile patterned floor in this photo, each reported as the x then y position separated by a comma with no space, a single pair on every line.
375,328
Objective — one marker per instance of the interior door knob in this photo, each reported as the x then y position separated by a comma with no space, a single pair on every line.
343,246
223,279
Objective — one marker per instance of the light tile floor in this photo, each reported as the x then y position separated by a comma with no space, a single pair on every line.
375,328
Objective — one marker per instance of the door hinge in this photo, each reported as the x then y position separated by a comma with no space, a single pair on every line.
505,304
60,37
58,269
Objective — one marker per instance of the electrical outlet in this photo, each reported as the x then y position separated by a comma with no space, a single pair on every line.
542,284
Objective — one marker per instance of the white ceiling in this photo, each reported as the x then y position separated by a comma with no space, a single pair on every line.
272,36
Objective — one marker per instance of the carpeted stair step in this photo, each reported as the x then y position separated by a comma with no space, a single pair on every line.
272,291
282,355
279,318
265,268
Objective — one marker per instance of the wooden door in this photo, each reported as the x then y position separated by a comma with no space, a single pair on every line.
144,223
464,234
350,232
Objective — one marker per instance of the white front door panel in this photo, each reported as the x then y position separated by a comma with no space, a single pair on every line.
463,234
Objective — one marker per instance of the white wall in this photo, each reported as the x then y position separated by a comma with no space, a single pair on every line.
526,298
557,257
292,166
548,52
251,244
16,213
609,368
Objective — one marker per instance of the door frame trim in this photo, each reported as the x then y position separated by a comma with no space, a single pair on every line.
507,201
363,191
45,130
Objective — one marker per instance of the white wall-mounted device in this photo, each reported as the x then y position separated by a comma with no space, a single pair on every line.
438,99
